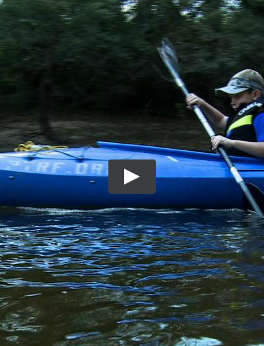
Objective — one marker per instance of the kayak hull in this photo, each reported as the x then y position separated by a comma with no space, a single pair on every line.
78,178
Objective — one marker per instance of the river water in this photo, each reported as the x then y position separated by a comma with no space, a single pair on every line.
131,277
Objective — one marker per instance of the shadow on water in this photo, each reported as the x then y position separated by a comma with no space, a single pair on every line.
131,277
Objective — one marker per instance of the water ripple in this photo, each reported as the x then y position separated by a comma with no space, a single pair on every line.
126,276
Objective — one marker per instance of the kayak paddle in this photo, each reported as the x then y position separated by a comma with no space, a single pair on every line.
169,57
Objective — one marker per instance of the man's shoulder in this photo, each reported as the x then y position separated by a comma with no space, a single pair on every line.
259,116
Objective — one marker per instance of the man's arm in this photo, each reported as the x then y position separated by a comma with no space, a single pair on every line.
251,148
216,118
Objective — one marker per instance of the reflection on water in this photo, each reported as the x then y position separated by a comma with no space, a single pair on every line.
131,277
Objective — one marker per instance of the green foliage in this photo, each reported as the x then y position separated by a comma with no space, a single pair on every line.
91,54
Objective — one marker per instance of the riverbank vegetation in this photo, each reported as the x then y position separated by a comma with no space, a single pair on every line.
93,55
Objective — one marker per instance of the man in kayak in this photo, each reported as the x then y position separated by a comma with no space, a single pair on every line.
244,131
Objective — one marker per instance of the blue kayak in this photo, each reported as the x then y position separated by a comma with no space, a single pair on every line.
78,178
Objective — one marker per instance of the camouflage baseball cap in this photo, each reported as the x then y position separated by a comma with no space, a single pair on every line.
242,81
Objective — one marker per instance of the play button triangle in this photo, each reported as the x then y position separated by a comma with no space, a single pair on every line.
129,176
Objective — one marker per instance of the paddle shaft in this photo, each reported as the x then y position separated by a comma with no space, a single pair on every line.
220,149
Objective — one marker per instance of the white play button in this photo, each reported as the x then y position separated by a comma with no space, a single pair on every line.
123,177
129,176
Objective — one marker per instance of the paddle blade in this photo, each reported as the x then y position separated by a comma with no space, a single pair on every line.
168,54
258,196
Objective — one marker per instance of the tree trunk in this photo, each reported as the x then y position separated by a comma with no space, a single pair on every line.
45,107
44,111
